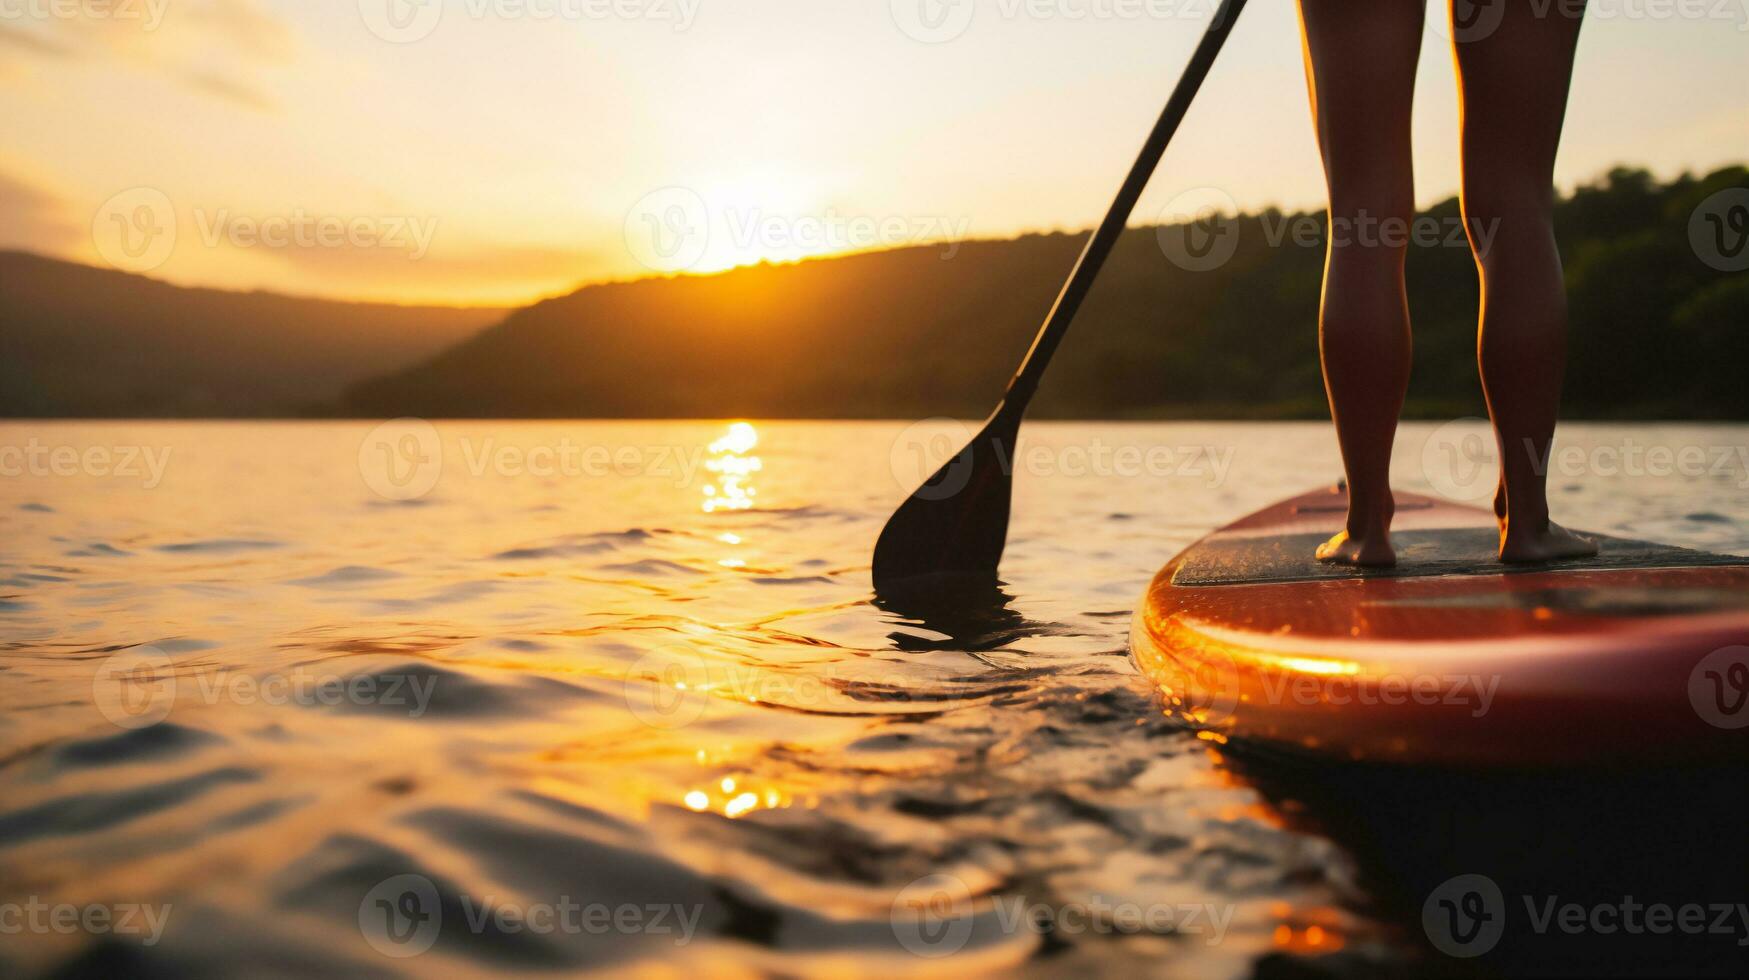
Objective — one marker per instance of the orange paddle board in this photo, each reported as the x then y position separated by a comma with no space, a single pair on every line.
1640,654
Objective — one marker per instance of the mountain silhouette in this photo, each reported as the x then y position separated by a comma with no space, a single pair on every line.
1213,321
1657,331
85,342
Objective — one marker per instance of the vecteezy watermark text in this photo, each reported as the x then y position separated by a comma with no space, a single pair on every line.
1474,692
1718,230
1470,21
141,686
1718,688
937,915
941,21
672,230
1105,917
1206,692
403,917
672,687
407,21
1372,231
34,916
403,459
1461,460
1468,915
944,448
144,463
303,230
149,14
1200,229
138,230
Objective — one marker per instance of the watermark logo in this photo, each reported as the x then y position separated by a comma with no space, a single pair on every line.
141,687
1203,692
1477,20
401,21
146,464
1098,915
669,230
407,21
944,451
929,447
932,917
1719,230
1468,20
135,688
1719,688
674,229
1199,229
401,460
405,459
302,230
935,917
135,231
149,14
37,917
401,917
1365,229
305,688
668,688
934,21
673,686
1736,11
1336,684
1459,460
1465,917
940,21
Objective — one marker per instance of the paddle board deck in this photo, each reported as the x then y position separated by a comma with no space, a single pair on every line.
1640,653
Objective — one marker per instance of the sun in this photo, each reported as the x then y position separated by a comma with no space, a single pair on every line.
768,216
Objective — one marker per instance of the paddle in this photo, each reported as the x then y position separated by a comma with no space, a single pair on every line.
957,522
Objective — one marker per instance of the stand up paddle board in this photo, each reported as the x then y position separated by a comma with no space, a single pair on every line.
1638,654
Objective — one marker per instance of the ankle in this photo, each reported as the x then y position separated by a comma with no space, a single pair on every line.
1365,521
1532,523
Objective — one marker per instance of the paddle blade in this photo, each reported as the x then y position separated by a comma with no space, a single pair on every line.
957,522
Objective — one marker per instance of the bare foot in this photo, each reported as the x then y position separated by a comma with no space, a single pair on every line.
1552,543
1365,552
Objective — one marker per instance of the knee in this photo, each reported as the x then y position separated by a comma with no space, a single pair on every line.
1377,226
1513,225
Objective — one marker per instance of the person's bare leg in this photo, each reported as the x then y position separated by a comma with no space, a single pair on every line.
1360,67
1514,83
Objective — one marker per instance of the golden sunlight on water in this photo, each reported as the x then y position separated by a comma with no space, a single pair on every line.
732,464
553,676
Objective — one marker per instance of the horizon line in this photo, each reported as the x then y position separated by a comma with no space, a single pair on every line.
537,299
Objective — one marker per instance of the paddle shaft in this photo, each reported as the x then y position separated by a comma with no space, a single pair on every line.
1032,370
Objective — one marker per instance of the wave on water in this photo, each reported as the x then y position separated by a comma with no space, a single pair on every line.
533,727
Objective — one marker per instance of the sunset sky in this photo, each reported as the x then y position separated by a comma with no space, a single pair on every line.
493,151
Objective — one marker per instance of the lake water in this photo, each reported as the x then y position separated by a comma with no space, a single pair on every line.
484,698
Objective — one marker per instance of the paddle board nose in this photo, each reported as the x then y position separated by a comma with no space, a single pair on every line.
1639,653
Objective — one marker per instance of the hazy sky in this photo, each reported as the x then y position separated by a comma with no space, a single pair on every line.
490,151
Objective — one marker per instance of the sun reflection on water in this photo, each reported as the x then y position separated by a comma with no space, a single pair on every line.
732,800
732,465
